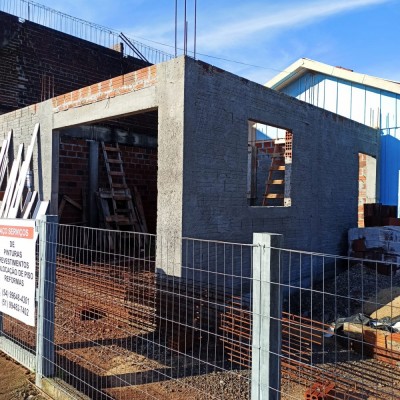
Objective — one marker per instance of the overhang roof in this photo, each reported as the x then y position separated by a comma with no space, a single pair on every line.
304,65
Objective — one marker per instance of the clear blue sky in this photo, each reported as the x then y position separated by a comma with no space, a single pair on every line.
362,35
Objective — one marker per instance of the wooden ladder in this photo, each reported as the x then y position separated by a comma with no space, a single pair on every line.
275,184
123,213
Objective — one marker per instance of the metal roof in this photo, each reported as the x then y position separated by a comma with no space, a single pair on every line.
304,65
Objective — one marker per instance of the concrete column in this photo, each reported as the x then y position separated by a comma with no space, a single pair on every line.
267,315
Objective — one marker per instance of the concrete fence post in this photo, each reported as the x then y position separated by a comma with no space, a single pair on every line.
48,236
267,315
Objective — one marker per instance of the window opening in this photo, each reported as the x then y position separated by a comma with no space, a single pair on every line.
269,165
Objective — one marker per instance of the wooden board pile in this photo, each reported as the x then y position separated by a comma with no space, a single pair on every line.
18,200
377,343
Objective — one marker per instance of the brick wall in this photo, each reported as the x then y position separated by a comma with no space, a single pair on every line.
73,178
140,165
362,187
130,82
38,62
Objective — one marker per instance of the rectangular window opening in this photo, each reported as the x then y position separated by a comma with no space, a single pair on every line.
269,165
366,184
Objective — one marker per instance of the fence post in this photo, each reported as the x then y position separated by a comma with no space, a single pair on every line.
48,228
267,314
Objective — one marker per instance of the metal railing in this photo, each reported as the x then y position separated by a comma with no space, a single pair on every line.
95,33
123,315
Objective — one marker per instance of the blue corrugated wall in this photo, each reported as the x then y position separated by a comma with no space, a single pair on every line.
364,104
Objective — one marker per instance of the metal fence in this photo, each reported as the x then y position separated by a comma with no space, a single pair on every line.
131,316
31,11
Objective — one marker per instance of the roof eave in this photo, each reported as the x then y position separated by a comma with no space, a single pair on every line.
303,65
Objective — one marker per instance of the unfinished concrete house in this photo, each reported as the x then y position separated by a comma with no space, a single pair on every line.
188,134
202,218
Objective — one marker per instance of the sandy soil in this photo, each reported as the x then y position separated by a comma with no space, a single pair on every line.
16,383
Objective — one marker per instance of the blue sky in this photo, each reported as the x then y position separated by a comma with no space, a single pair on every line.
362,35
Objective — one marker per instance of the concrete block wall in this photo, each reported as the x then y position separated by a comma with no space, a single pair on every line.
38,62
324,180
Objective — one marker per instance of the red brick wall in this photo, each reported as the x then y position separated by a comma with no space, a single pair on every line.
362,187
37,61
140,165
110,88
73,176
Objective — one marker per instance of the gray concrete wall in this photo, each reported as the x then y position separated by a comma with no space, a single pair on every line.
324,180
22,123
203,115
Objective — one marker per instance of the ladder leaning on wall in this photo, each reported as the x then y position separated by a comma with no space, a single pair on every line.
121,210
275,183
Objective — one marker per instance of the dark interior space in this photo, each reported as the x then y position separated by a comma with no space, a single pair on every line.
130,145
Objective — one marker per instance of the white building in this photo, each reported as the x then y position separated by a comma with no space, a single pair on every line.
366,99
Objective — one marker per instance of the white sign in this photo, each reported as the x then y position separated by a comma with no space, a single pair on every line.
18,269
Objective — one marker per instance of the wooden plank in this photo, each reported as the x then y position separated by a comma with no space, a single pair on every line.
26,202
72,202
113,149
139,206
40,210
15,202
392,310
274,196
4,157
11,184
30,205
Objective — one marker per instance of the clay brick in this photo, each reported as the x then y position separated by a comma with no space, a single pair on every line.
117,82
129,78
138,86
68,97
85,92
94,89
105,85
153,71
142,74
75,95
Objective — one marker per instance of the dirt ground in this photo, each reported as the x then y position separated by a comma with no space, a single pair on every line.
16,382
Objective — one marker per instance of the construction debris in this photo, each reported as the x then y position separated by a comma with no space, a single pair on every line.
376,244
377,214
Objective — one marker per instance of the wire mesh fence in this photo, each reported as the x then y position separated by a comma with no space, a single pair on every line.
124,329
137,316
95,33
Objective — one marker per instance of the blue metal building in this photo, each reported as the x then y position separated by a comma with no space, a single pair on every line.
369,100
